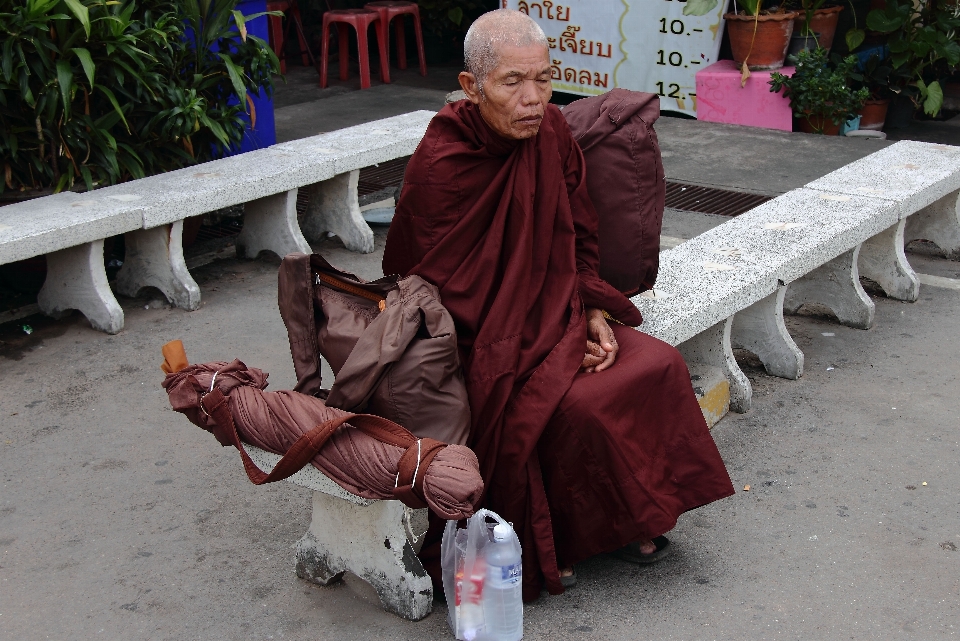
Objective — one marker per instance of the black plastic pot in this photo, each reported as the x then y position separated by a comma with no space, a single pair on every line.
800,43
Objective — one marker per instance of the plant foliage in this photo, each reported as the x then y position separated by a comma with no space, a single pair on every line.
923,45
441,17
821,87
95,92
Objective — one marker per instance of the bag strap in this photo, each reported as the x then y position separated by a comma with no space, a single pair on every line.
418,455
350,288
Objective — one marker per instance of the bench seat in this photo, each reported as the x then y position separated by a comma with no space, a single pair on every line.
377,541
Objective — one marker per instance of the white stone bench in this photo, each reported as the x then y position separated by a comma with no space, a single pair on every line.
69,228
377,541
729,286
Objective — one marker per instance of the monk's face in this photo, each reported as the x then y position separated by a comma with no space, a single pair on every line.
515,93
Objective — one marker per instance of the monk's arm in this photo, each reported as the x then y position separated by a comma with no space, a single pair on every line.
594,291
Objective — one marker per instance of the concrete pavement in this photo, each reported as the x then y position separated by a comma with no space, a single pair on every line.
121,520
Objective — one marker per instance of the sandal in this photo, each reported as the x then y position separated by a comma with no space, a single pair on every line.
632,553
570,580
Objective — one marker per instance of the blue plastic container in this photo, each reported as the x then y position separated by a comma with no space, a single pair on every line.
265,133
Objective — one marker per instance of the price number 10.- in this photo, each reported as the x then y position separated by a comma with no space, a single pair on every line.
674,58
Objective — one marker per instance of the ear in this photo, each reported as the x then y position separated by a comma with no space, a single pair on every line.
468,83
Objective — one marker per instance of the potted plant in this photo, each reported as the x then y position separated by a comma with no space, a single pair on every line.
815,20
819,91
924,47
818,24
875,75
758,38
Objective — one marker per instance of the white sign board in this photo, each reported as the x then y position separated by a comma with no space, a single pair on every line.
644,45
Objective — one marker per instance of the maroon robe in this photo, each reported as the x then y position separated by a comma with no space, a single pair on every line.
579,463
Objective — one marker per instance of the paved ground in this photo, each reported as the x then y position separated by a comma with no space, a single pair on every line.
121,520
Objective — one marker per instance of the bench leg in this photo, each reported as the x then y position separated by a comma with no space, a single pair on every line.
371,542
334,207
883,261
939,223
76,279
760,329
835,284
712,347
154,258
270,224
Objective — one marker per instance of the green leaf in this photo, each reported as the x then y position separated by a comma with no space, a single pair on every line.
116,106
87,177
855,38
241,24
752,7
699,7
455,15
65,80
877,20
81,12
235,76
932,96
87,62
899,59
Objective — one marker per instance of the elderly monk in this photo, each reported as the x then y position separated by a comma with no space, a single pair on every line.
589,436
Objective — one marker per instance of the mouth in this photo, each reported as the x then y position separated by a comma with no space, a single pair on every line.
530,120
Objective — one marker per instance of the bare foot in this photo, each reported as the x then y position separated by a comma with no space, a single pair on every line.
565,572
647,547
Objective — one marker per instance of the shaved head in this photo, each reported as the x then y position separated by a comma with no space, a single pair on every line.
491,31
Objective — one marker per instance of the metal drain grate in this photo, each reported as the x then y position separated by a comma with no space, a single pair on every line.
386,174
710,200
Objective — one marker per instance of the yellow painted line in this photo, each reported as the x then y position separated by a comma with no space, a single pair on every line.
715,402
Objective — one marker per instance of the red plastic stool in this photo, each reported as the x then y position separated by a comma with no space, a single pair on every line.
390,9
360,19
278,34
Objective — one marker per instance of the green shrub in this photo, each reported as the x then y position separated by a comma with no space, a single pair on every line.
95,92
924,41
819,87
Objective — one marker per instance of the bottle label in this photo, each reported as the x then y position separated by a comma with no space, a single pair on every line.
503,576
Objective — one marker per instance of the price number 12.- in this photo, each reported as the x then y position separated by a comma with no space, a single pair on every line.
673,88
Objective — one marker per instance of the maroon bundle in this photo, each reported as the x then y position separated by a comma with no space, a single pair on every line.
367,456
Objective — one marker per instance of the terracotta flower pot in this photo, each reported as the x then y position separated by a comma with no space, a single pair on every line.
824,22
817,124
873,114
761,42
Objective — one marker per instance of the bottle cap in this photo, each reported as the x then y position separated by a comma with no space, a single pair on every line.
502,532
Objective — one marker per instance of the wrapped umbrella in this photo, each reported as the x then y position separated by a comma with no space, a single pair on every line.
366,455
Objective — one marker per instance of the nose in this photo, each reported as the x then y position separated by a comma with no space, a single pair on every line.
531,94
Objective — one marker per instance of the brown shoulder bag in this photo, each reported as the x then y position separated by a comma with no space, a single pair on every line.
391,344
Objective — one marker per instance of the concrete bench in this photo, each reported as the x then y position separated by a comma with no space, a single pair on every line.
729,286
69,228
377,541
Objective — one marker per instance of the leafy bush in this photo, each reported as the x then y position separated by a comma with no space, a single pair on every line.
923,44
96,92
821,88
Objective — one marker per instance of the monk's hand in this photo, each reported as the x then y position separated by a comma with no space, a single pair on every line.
599,335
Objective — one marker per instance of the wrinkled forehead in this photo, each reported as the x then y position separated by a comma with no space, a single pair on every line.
525,60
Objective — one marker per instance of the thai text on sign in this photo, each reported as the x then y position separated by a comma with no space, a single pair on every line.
644,45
